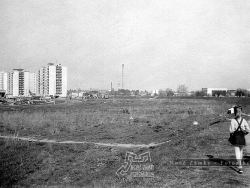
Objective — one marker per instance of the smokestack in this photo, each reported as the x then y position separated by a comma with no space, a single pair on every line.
122,74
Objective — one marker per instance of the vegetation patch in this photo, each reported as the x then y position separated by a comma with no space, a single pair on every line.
30,164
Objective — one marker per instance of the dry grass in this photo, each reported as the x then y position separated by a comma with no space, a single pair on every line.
70,120
44,165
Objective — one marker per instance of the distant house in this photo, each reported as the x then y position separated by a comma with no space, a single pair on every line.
74,94
155,92
132,94
179,94
215,91
231,93
103,91
143,93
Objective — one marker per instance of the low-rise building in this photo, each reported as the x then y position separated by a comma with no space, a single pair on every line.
155,92
231,93
215,91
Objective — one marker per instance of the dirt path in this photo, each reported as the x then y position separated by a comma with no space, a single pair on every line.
85,142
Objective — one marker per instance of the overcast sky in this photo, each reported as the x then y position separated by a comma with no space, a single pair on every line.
162,43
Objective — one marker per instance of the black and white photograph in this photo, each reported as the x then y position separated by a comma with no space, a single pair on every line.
124,93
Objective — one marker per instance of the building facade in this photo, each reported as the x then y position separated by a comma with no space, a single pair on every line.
32,83
61,81
10,83
41,81
52,80
19,83
3,80
215,91
26,85
15,81
3,83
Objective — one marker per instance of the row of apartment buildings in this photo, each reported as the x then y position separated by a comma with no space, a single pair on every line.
49,80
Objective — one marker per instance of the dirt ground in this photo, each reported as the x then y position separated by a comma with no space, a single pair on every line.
120,121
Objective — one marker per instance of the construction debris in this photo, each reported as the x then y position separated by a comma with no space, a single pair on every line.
26,101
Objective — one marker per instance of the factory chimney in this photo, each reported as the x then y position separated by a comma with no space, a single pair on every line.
122,75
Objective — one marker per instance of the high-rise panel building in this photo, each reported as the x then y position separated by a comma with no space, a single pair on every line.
41,81
18,83
3,80
52,80
64,81
26,85
32,83
61,80
15,81
3,83
10,83
47,80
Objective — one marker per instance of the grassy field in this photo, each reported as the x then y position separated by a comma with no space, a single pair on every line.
127,121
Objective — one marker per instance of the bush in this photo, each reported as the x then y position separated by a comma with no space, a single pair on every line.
242,92
200,94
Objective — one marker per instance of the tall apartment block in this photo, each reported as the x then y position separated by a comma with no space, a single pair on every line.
41,81
3,80
3,83
26,83
10,83
52,80
61,80
32,83
47,80
19,83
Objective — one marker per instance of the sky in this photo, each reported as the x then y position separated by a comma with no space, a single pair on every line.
162,43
